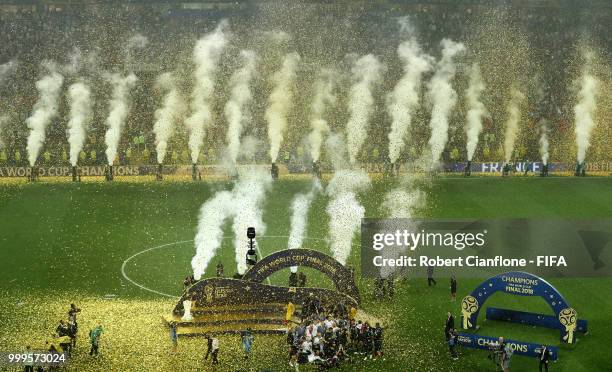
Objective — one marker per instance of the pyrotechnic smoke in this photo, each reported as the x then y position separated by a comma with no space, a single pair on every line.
512,123
244,205
584,112
79,99
240,97
443,98
300,206
137,41
119,107
167,115
45,109
402,201
476,110
404,100
336,149
6,69
277,36
210,230
206,57
324,98
344,210
544,141
248,197
366,71
280,102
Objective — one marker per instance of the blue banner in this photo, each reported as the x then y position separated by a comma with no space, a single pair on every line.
532,319
491,343
496,167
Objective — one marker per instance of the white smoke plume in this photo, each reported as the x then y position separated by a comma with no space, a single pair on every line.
6,69
344,210
248,198
75,61
512,123
402,201
404,100
119,107
366,71
277,36
45,109
324,98
336,149
244,205
476,110
544,141
210,230
443,98
584,112
280,102
299,217
167,115
137,41
206,56
79,99
241,96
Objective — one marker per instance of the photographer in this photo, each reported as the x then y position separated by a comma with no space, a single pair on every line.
544,358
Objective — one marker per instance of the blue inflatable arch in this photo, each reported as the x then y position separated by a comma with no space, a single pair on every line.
523,284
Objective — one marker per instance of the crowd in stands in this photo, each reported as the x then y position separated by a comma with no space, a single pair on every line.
37,31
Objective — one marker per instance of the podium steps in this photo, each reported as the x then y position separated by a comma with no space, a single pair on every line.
263,318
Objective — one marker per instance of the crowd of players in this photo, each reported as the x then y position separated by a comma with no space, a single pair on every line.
329,334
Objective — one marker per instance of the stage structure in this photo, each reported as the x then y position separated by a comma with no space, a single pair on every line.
565,318
224,305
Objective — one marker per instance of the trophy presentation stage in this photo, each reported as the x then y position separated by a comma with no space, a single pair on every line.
224,305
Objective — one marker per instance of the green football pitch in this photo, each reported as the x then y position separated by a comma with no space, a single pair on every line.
121,250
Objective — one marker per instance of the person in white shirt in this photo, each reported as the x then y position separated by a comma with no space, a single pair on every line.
307,346
313,358
328,322
215,350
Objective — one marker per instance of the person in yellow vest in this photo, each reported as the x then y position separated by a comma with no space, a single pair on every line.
289,314
352,313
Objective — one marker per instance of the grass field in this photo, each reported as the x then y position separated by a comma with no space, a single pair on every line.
64,242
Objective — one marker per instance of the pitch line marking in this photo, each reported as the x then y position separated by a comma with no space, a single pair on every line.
125,262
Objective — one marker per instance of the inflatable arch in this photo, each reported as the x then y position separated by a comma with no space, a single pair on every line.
342,277
523,284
